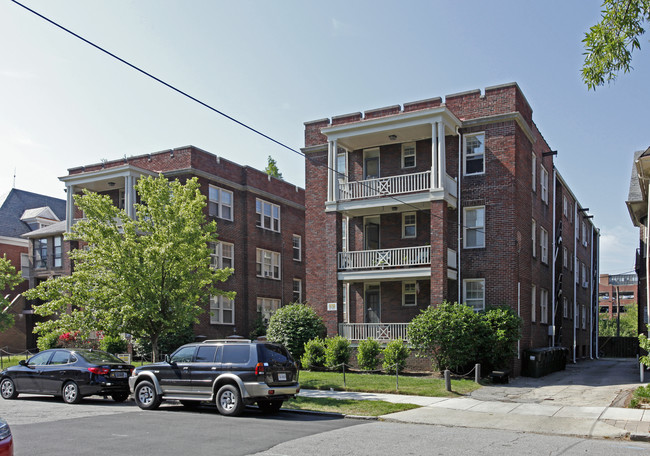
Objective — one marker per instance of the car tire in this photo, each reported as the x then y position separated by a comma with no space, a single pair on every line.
8,389
269,406
146,396
229,401
70,393
120,397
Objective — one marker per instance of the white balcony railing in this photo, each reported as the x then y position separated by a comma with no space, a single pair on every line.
393,185
382,332
385,258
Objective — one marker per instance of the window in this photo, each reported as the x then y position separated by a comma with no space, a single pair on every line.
40,253
58,251
205,354
584,233
184,355
408,155
60,357
268,215
584,316
222,311
534,172
409,294
565,257
297,247
474,228
534,238
297,290
220,203
345,292
222,255
543,245
344,234
371,163
533,304
474,293
268,264
544,184
565,307
474,154
585,281
409,226
341,164
40,359
565,206
266,307
543,305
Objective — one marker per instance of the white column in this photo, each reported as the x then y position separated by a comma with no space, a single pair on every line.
434,155
442,170
647,261
129,199
69,207
331,161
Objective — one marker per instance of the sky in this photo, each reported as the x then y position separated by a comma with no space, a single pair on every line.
274,65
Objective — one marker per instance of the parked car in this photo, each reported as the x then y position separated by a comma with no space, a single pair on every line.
232,373
69,373
6,441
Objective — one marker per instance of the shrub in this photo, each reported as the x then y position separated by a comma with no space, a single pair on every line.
113,344
259,327
337,351
368,353
293,326
314,357
395,355
499,344
451,333
47,341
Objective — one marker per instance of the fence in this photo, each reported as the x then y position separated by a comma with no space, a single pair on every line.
618,347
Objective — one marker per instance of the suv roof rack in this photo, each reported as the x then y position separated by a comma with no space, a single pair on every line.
228,341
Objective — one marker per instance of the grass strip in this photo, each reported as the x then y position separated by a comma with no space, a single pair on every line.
383,383
346,406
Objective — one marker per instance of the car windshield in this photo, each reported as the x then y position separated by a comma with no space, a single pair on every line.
98,357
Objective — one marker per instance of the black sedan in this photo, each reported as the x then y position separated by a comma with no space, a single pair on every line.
70,373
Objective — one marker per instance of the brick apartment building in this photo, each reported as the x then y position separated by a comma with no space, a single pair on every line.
22,212
260,224
637,205
398,220
616,293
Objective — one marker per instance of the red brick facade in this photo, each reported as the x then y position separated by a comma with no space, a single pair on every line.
504,190
247,186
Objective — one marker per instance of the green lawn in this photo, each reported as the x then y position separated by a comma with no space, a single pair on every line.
346,406
382,383
8,361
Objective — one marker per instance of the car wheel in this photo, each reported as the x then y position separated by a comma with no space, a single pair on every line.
269,406
229,401
120,397
8,389
146,396
71,393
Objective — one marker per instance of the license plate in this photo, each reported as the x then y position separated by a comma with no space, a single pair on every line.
118,374
282,377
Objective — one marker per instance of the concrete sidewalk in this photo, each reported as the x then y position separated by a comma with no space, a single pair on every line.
575,402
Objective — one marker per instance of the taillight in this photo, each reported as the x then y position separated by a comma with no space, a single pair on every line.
259,369
99,370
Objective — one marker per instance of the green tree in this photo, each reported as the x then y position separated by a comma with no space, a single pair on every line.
146,276
293,326
272,168
628,323
9,278
609,43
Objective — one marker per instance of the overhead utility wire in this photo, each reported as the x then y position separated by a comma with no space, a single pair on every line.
185,94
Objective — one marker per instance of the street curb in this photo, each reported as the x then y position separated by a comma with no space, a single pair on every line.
333,414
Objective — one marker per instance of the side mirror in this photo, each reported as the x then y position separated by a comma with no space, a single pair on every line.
23,362
167,359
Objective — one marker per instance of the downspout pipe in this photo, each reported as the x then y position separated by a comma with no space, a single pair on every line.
459,206
591,294
596,309
554,246
575,272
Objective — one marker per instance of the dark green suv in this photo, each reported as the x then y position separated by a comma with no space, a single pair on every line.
231,373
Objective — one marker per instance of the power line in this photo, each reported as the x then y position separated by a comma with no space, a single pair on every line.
206,105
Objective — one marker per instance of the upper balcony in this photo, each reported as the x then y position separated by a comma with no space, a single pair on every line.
358,148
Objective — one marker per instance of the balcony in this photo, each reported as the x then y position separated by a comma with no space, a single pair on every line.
382,332
385,186
385,258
